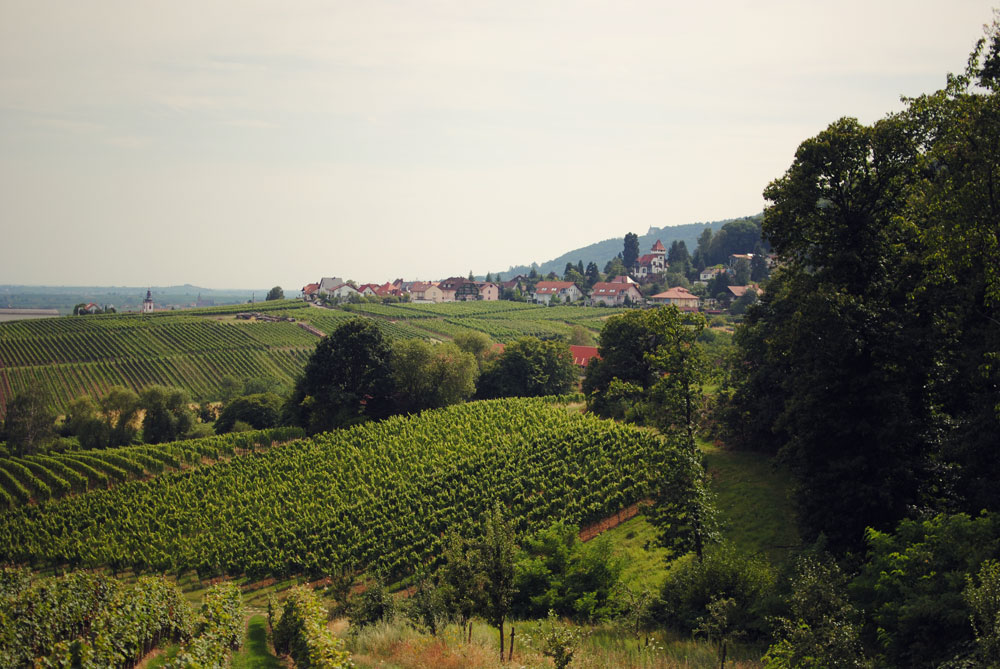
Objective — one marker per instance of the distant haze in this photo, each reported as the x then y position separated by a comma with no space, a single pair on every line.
254,143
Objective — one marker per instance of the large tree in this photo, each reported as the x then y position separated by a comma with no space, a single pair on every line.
168,416
650,368
275,293
870,362
347,380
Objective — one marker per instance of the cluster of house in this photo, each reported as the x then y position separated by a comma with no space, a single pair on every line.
618,291
455,289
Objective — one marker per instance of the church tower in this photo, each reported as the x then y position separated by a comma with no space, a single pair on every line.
147,304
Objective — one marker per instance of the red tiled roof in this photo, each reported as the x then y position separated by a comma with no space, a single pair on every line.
740,291
621,278
658,246
646,259
310,288
583,354
675,293
545,287
611,288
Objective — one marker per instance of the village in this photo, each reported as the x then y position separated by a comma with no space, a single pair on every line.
717,289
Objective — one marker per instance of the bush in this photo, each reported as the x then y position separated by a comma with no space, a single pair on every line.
692,584
259,411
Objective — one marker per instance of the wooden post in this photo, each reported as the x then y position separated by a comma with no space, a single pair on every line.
501,641
510,653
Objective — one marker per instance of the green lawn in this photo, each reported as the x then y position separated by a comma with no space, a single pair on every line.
255,653
754,502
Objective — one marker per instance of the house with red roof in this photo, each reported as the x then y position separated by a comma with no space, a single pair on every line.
654,262
310,291
566,291
615,294
582,355
678,296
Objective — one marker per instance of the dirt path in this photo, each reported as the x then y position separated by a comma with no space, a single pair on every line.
594,529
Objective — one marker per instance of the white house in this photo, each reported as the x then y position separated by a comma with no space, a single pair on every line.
566,291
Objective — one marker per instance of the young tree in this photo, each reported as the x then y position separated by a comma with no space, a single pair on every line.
496,557
460,579
120,408
824,629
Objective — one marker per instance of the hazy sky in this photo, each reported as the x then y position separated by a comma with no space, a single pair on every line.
252,143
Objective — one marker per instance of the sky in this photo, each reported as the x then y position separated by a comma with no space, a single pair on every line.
252,143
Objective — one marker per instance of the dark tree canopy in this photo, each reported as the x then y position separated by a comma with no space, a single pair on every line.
347,380
869,363
630,254
529,367
28,422
167,414
275,293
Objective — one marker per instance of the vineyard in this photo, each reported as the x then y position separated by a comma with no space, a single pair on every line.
74,356
36,478
92,620
380,495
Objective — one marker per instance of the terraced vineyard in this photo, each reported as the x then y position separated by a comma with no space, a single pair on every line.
380,495
73,356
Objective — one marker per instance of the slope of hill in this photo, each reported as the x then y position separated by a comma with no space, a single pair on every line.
604,251
194,349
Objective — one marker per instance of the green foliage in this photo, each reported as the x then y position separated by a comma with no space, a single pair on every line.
275,293
167,414
428,376
258,411
982,594
659,366
528,367
381,494
218,630
28,421
682,508
631,251
558,640
347,380
299,630
692,584
372,605
912,583
824,629
555,571
89,621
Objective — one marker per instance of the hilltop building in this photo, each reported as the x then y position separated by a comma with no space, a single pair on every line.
654,262
147,304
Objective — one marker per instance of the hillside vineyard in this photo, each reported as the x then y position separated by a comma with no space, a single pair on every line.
380,495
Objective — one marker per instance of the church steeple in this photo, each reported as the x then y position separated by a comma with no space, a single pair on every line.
147,304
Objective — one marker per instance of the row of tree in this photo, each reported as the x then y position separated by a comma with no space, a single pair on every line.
356,374
120,417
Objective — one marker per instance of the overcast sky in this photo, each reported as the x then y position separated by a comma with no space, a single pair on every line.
253,143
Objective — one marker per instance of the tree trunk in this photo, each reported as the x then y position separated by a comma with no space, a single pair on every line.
501,640
722,665
510,653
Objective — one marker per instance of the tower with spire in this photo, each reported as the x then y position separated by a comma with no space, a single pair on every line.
147,304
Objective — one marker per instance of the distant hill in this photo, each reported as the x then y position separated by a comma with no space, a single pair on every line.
123,298
603,252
